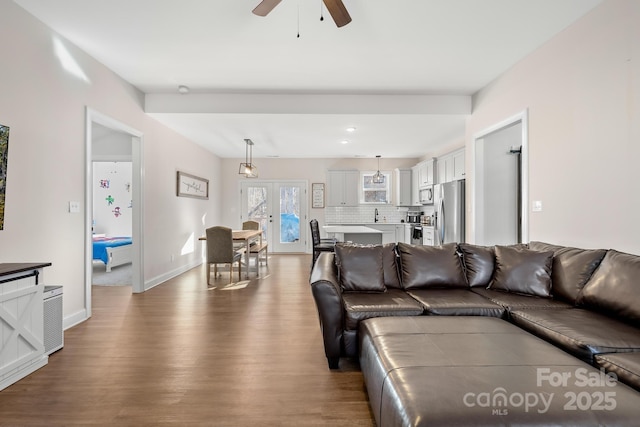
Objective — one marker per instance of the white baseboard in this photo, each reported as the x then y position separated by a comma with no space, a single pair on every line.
170,275
74,319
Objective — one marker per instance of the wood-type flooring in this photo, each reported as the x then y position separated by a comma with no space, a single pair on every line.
183,354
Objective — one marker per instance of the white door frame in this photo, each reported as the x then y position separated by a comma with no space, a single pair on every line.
304,205
521,117
137,159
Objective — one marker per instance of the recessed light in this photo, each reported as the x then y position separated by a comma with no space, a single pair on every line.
344,141
351,129
182,89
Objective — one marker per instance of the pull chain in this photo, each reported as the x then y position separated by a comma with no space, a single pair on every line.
321,10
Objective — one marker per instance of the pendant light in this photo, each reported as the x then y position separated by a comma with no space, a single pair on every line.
378,178
248,169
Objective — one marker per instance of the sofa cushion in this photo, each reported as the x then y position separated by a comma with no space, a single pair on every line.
479,262
581,332
360,268
626,366
390,266
511,301
456,302
572,268
361,305
615,287
522,271
431,266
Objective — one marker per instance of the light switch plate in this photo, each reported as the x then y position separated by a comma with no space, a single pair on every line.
537,206
74,207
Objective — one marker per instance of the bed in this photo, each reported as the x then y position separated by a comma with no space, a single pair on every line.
113,251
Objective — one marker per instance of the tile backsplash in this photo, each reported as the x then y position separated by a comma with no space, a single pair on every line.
365,214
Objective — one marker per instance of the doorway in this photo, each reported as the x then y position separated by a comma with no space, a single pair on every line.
281,209
501,183
131,150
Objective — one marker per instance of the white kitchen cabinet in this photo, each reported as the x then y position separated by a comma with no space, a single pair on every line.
342,188
426,173
400,233
402,187
451,166
427,236
415,186
388,232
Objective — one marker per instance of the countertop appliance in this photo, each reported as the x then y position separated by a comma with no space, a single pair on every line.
449,212
414,217
426,195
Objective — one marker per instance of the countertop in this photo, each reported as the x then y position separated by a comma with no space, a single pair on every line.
359,229
7,268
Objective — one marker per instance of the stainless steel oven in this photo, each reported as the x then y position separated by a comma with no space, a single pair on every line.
416,234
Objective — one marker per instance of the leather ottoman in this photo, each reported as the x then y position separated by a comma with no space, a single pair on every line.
476,371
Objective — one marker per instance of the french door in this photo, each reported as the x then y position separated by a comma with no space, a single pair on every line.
281,209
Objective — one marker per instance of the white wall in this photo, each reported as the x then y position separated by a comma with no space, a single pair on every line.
582,92
45,107
112,198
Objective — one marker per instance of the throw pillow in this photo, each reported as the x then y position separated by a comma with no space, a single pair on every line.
360,267
479,262
614,286
572,268
431,266
522,271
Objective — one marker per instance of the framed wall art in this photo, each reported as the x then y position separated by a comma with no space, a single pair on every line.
4,150
317,195
192,186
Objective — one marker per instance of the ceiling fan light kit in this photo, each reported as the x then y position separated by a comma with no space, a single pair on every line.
336,9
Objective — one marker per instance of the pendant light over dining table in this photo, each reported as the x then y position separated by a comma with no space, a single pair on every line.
248,169
378,177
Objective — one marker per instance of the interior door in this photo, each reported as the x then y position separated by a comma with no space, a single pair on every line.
280,208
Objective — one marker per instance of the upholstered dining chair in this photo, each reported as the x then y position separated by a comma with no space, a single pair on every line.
220,251
257,251
319,244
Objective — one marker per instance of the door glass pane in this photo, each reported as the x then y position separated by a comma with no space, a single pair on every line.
257,207
289,214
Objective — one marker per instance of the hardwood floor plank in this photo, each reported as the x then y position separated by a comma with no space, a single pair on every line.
183,354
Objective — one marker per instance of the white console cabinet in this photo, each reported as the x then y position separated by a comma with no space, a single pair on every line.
21,321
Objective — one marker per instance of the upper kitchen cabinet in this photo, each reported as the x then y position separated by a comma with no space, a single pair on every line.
402,188
426,172
451,166
415,186
342,188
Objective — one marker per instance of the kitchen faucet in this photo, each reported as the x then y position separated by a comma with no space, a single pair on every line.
375,216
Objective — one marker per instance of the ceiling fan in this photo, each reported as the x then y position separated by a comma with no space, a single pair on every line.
335,7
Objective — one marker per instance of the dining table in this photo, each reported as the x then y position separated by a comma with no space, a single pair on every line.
245,237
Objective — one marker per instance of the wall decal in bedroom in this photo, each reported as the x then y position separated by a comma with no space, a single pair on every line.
116,212
109,200
4,149
105,183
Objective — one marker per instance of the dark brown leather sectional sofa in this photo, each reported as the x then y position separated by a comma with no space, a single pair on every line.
584,301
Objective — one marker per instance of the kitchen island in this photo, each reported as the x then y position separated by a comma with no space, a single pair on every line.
354,233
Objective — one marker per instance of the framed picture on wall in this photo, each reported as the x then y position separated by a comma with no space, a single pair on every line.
317,194
192,186
4,149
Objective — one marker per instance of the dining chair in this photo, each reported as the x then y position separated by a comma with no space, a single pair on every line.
255,249
319,244
220,251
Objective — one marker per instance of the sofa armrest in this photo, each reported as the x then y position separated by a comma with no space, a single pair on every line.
328,297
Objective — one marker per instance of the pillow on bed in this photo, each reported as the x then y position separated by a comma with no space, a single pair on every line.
522,271
360,267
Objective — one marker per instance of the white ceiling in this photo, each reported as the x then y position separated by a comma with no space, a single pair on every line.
390,50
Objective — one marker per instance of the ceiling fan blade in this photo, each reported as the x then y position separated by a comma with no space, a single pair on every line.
338,12
265,7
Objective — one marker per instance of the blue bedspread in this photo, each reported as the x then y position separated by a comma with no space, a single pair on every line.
100,245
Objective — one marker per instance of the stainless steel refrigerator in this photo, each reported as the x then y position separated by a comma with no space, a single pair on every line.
448,202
